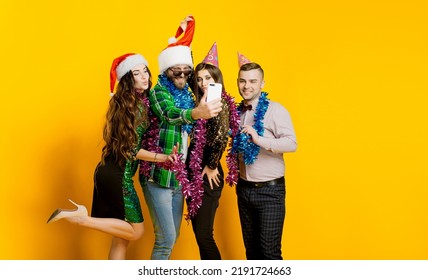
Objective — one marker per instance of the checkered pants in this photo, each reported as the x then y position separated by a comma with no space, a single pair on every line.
262,214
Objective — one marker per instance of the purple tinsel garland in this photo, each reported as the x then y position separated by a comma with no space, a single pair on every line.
231,158
150,140
194,192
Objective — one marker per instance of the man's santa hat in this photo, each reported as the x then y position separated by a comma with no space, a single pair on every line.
212,56
178,51
122,65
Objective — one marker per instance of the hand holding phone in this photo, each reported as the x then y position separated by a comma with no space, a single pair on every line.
214,91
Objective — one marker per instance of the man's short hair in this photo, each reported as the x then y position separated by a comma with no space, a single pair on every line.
251,66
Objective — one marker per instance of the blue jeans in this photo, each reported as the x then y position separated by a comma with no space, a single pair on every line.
166,211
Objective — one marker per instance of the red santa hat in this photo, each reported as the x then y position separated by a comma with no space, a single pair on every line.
242,60
122,65
212,56
178,51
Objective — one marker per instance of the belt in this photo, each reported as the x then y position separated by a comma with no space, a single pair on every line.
249,184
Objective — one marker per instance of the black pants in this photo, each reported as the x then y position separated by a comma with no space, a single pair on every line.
262,213
203,222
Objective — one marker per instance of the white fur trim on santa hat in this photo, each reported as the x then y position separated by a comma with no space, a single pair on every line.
174,56
129,63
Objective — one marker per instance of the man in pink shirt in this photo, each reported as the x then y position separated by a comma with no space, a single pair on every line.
267,132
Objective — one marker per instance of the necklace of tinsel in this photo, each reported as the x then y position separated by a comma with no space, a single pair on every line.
183,98
195,191
241,142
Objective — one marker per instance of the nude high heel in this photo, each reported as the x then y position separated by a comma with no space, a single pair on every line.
65,213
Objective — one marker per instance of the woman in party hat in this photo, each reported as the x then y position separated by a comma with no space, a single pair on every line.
208,142
116,208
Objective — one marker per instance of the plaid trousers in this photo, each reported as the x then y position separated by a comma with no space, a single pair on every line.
262,213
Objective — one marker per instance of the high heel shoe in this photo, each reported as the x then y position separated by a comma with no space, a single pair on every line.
66,213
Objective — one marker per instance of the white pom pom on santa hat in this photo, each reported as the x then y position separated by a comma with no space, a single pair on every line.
172,40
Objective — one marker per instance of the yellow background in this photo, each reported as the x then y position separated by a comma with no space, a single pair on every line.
353,75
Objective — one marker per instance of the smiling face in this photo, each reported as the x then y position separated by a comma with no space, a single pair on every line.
179,74
141,77
250,84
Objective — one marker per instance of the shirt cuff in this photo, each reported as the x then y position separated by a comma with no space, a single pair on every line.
188,116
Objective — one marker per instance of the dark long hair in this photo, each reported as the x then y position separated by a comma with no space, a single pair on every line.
125,113
214,71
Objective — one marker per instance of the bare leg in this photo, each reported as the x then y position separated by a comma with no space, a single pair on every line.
118,249
115,227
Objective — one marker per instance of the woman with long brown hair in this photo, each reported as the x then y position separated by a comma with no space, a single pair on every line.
208,143
116,208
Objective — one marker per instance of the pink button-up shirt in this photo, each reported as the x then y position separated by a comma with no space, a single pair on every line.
278,138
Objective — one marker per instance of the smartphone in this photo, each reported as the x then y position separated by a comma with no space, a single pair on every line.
214,91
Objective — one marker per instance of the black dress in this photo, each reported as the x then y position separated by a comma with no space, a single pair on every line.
114,193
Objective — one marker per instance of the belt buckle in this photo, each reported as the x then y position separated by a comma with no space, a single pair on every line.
258,184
